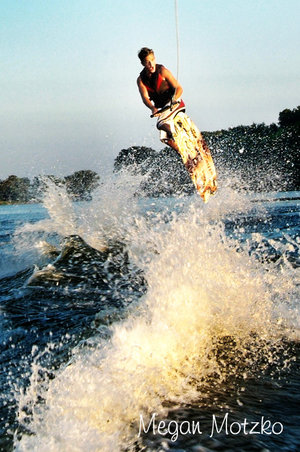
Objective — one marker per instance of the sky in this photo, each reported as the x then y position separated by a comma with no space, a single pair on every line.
68,93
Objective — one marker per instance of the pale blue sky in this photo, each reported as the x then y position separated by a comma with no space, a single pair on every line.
69,99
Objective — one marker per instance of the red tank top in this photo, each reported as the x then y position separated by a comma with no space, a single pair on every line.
158,88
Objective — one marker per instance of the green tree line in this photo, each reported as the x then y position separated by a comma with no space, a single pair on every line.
256,157
79,185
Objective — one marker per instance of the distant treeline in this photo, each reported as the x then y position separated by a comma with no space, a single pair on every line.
79,185
256,157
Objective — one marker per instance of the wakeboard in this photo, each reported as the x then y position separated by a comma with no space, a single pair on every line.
195,155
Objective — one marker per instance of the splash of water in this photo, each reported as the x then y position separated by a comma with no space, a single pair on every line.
201,292
106,219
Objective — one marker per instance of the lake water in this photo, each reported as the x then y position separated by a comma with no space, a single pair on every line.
131,324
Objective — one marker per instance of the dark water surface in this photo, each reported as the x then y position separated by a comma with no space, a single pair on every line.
126,323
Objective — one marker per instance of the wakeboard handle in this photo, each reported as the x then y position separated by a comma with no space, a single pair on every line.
166,107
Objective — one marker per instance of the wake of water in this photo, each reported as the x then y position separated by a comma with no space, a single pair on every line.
211,312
